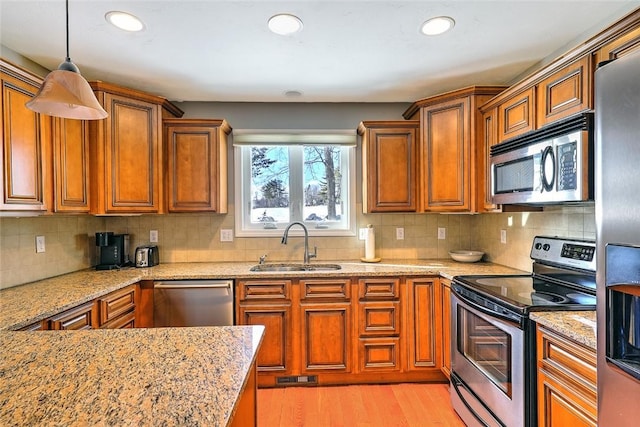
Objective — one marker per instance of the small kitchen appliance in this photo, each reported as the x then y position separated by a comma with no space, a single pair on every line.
493,346
113,250
553,164
147,256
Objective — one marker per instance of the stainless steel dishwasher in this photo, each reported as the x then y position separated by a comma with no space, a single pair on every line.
193,303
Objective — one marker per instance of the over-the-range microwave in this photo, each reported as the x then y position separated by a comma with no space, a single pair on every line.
553,164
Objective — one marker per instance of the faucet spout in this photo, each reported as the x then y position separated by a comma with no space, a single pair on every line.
307,255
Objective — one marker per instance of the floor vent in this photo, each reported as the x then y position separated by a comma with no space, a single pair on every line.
300,379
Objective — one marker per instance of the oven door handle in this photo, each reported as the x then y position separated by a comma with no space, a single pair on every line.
487,311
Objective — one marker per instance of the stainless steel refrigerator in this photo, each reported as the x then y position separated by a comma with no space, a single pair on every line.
617,196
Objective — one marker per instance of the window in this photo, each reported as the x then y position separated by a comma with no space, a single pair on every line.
301,176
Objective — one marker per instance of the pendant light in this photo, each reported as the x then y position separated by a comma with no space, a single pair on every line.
65,93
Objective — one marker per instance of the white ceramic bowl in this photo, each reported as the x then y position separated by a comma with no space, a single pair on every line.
466,256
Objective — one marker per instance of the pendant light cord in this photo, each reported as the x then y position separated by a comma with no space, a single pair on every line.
67,15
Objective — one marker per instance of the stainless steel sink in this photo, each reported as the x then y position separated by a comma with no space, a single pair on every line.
295,267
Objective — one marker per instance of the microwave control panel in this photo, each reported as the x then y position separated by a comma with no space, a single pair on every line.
568,166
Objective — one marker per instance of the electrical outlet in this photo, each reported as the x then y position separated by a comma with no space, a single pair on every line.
442,233
40,244
362,233
153,236
226,235
503,236
399,233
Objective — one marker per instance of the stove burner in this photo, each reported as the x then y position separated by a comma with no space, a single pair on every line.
540,297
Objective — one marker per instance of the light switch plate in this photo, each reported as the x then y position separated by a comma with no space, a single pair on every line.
362,233
226,235
399,233
442,233
503,236
153,236
40,244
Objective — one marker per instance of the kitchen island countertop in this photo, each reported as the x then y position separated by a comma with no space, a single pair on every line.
150,377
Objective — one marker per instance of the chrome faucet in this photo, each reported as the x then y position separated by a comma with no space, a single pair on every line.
307,254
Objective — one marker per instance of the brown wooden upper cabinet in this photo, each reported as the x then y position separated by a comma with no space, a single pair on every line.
565,92
196,173
26,141
389,165
621,46
517,115
70,166
126,151
451,126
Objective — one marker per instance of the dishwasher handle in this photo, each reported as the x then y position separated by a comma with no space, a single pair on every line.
187,285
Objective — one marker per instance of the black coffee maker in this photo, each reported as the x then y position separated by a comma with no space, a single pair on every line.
113,250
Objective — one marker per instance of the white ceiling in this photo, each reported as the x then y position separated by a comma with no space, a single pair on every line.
348,51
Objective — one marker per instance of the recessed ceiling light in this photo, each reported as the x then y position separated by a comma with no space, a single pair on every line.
124,21
437,25
285,24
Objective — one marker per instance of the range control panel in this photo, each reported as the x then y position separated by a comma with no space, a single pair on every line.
564,251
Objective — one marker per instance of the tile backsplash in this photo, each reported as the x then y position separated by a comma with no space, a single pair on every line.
196,238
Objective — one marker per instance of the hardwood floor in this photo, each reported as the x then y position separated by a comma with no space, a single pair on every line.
357,406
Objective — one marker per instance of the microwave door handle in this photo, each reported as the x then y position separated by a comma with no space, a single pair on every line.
546,185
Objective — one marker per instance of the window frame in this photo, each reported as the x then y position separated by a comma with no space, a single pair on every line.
243,140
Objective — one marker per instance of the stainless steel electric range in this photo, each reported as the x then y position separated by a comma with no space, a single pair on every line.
493,366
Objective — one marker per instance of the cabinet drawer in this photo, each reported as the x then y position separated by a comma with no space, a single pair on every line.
127,320
116,304
568,360
77,318
387,288
264,289
379,354
379,318
320,289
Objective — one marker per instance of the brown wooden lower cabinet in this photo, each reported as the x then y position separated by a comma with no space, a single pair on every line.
344,330
74,319
246,413
445,286
567,389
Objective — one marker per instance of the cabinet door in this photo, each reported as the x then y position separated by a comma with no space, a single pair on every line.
446,325
621,46
421,332
71,166
390,166
197,166
126,159
516,116
77,318
326,337
25,137
447,156
565,92
488,140
275,354
381,354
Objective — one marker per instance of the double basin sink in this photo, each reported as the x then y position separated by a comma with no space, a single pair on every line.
295,267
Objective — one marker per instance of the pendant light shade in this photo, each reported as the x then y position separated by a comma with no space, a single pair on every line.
65,93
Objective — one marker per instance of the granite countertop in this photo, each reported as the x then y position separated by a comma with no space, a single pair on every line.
160,376
26,304
580,326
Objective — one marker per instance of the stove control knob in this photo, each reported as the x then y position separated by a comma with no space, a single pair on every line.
538,246
546,247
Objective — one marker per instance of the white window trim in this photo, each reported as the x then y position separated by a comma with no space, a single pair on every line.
256,137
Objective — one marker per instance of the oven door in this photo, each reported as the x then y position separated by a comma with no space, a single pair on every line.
487,364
